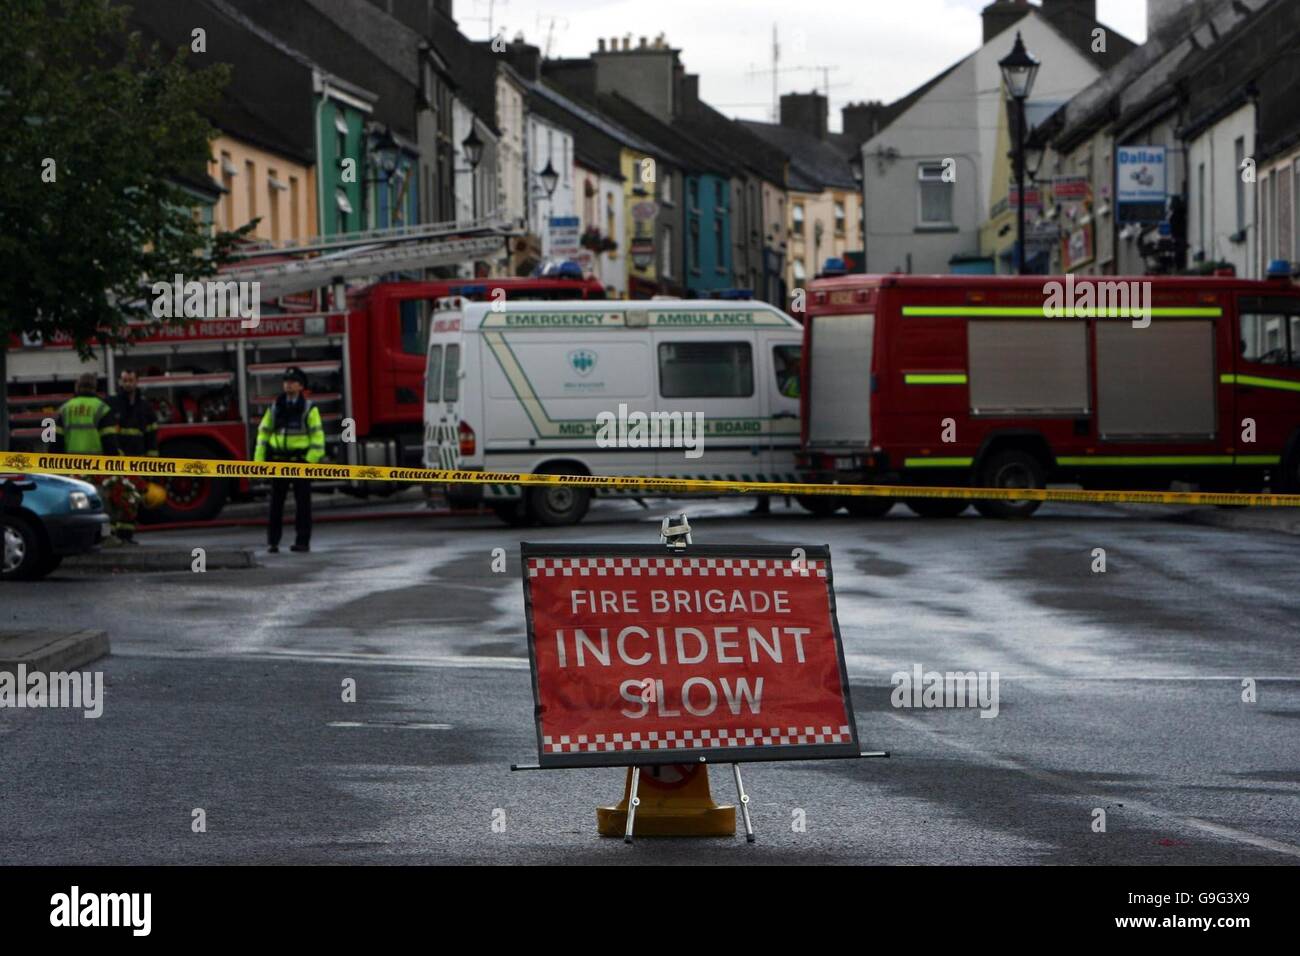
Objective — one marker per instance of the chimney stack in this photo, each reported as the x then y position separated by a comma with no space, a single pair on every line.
600,45
1002,14
806,112
862,121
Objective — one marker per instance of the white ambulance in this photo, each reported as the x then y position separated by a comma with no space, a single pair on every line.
662,388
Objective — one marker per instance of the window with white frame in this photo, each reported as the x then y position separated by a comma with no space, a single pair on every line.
934,196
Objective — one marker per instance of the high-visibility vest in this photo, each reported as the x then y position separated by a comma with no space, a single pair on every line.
290,431
82,425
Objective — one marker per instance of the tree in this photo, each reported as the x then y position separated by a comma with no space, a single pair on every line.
100,130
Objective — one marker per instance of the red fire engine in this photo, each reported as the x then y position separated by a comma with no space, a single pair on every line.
1107,382
210,380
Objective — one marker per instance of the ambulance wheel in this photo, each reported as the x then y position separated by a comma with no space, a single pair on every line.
863,507
1010,469
558,505
937,507
512,513
819,506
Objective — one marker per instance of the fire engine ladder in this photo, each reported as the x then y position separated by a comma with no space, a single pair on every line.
325,260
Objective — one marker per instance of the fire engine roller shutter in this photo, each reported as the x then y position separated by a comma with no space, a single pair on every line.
1157,381
839,402
1028,367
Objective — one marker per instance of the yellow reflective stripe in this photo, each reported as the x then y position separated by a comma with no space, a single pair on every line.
1129,460
1259,459
938,462
1283,384
956,311
934,378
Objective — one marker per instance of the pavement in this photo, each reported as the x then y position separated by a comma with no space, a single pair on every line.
1121,695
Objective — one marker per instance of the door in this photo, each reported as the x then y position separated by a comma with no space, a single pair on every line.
1266,378
708,379
442,399
781,378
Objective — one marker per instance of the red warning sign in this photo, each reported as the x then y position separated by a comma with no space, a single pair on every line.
640,656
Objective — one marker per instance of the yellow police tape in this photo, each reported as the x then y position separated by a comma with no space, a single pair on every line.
163,468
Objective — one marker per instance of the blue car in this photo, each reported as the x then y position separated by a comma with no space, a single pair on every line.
43,518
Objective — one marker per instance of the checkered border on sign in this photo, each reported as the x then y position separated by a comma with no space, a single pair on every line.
692,739
675,567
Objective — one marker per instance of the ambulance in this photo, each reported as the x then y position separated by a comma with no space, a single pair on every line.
661,388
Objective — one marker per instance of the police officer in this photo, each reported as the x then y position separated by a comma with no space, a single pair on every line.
291,431
83,420
132,431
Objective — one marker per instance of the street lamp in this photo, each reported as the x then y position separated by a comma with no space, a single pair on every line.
473,148
1019,68
550,179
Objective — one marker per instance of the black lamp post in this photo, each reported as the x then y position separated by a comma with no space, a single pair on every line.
473,147
1019,68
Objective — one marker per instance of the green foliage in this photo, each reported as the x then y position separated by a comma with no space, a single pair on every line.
124,127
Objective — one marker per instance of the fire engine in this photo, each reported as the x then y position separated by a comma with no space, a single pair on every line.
210,380
1005,382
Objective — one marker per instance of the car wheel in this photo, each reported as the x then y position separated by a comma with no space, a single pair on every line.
23,557
937,507
556,505
864,507
1010,469
819,506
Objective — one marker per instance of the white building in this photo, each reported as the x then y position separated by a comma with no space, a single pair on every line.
549,144
928,174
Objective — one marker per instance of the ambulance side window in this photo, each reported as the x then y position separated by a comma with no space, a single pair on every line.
451,375
785,363
433,374
706,370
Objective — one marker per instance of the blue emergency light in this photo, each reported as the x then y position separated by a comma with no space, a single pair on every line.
1278,269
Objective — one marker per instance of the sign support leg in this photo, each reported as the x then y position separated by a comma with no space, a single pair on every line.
632,803
744,804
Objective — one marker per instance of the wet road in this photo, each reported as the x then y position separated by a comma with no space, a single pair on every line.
1120,692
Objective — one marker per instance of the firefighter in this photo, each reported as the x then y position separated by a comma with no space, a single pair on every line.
291,431
83,420
132,431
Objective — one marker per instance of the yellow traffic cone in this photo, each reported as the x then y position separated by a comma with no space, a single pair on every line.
674,801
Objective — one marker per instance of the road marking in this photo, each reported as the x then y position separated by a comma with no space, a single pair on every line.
338,657
388,725
1141,806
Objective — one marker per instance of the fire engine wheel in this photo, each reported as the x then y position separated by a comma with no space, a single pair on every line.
189,498
819,506
863,507
1290,479
937,507
558,505
1010,469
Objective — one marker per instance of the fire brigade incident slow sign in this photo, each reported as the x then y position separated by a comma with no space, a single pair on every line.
715,653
